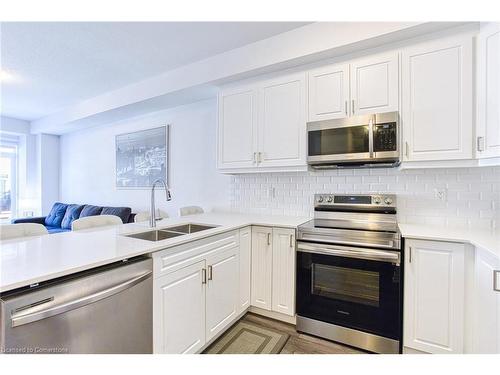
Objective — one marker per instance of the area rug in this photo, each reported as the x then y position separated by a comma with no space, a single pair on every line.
247,338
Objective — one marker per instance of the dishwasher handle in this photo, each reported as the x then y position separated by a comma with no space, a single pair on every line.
20,319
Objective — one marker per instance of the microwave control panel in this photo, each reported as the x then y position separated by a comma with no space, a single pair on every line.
385,137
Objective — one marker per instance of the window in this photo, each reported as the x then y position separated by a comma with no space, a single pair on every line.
8,176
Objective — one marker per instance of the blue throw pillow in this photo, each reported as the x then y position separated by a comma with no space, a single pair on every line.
122,212
72,213
89,210
56,215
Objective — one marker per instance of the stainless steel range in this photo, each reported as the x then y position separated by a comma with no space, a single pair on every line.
348,272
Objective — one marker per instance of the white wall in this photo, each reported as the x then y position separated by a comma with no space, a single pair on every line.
88,162
473,193
48,170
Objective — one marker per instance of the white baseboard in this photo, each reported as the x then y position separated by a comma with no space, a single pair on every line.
274,315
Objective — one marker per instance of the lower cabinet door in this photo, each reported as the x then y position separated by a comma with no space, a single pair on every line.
487,303
283,284
222,290
179,310
245,267
434,296
262,267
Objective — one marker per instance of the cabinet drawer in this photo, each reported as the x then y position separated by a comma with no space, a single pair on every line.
170,260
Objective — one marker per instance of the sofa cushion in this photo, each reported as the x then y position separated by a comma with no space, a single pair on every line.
72,213
122,212
53,230
89,210
56,215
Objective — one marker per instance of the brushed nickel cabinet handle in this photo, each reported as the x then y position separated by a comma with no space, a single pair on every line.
409,254
291,240
480,143
269,238
346,108
209,272
203,276
407,149
353,106
496,274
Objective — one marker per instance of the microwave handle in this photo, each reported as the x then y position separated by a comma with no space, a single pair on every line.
370,137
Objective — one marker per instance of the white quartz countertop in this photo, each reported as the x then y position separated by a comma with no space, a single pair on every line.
35,259
488,240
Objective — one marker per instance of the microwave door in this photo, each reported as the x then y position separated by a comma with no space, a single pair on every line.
350,143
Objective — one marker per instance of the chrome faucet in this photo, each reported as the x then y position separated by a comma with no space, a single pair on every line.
152,216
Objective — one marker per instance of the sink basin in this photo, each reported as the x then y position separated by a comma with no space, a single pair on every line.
190,228
155,235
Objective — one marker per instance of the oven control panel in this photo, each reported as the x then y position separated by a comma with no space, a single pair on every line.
355,200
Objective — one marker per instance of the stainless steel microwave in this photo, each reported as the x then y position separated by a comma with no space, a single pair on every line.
358,141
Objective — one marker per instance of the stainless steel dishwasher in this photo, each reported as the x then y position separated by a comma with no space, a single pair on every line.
105,310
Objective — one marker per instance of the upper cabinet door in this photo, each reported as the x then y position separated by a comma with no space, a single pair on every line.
374,84
237,131
437,99
282,122
488,91
329,92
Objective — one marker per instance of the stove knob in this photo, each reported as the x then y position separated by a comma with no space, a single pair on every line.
388,200
320,199
376,200
329,199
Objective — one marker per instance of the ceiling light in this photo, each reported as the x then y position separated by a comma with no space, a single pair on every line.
5,76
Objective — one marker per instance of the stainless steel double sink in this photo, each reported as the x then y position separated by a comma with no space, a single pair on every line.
170,232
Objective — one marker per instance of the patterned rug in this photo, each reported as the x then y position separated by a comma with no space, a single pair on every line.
247,338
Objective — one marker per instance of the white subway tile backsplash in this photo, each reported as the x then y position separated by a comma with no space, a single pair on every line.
473,194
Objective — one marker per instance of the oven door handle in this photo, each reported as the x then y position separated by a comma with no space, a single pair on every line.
351,252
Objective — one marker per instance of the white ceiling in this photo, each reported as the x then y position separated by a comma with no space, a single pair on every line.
55,65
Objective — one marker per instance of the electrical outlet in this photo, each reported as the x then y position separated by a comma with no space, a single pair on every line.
441,194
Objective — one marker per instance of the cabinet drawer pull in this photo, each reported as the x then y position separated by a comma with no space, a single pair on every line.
209,272
346,108
409,255
254,157
291,240
407,150
203,276
269,238
496,276
352,106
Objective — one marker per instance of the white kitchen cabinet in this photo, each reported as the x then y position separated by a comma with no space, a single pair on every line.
221,290
283,270
262,261
375,84
262,126
488,91
282,122
486,328
179,310
437,99
237,130
195,293
328,92
245,267
434,296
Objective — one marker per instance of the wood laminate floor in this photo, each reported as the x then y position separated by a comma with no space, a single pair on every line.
299,343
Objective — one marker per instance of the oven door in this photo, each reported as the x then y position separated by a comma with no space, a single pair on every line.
329,143
352,287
